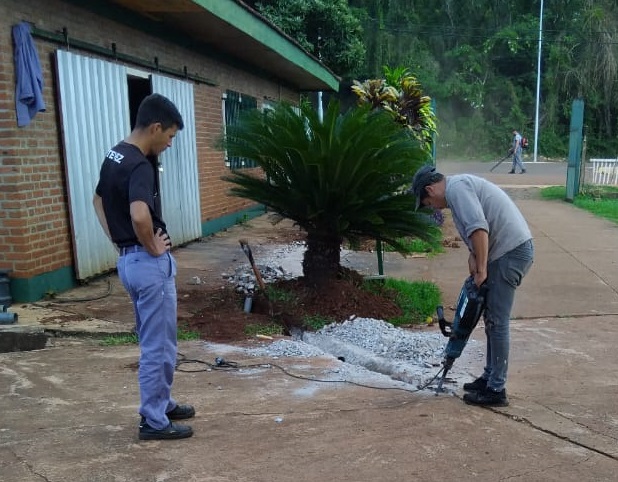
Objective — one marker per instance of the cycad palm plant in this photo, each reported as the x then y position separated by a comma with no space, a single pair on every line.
340,178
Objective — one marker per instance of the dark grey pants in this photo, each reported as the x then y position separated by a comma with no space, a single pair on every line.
504,275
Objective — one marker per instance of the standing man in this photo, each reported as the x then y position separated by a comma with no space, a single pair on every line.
516,150
501,253
128,206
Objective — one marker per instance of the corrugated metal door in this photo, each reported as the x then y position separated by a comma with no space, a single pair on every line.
94,111
179,180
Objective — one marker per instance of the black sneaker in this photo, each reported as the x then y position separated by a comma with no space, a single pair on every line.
512,172
181,412
171,432
523,171
477,385
487,398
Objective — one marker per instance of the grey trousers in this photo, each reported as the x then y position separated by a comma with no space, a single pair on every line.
504,275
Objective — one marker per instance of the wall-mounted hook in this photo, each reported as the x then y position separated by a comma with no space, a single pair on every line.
65,34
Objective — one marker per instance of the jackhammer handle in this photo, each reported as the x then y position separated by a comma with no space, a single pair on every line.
442,323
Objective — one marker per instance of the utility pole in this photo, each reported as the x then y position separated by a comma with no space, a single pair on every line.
538,86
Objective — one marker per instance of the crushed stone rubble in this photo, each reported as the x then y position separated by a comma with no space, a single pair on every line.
243,277
414,357
385,340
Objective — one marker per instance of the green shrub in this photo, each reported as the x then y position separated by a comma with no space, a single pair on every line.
417,299
317,322
259,329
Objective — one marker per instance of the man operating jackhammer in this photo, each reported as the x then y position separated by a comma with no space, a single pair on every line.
501,253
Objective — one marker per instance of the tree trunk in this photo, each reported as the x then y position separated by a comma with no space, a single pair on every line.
321,260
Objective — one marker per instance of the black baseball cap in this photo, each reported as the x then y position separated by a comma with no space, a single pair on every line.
422,179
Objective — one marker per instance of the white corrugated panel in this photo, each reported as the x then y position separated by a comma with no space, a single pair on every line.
95,115
180,198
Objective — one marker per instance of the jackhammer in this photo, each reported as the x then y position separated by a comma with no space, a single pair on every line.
470,306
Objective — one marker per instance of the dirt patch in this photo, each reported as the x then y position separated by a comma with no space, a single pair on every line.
221,316
62,320
217,312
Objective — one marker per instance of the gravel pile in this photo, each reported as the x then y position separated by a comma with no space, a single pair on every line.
373,350
383,339
283,348
369,349
243,277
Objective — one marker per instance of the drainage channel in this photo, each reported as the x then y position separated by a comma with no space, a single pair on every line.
369,346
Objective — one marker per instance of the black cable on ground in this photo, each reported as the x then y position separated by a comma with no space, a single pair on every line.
80,300
224,365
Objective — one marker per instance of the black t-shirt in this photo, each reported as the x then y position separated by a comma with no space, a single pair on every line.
128,176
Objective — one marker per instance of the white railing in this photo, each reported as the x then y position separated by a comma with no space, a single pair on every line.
604,171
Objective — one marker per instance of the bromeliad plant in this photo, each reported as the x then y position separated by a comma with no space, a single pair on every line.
340,178
400,94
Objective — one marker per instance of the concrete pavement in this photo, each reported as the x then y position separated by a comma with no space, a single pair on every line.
68,412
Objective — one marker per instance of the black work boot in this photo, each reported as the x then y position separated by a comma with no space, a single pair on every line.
171,432
181,412
487,398
477,385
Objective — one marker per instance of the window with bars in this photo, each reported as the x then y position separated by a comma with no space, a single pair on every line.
234,103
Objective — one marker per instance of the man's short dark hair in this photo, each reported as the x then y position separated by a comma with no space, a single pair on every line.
157,108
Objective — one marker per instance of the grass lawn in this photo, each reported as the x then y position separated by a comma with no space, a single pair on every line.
599,200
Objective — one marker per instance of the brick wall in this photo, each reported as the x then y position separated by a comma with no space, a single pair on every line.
35,235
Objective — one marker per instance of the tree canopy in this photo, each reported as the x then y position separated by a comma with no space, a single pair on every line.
478,59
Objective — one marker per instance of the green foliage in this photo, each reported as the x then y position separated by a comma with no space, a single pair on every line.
326,28
554,192
343,177
414,245
317,322
599,200
270,329
417,299
131,338
115,340
276,294
400,94
477,58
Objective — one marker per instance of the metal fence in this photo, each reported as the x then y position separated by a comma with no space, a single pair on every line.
601,172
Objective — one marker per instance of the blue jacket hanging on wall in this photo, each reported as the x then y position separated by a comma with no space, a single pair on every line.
28,76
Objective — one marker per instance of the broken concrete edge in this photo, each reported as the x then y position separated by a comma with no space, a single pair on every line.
361,357
16,338
21,338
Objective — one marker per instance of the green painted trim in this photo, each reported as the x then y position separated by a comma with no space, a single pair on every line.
245,21
132,19
26,290
215,225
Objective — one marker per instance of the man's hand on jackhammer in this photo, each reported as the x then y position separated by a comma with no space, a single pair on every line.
479,275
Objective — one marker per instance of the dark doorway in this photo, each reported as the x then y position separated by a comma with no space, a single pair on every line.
138,89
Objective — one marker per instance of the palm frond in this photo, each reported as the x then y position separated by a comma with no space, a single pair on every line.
344,176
